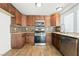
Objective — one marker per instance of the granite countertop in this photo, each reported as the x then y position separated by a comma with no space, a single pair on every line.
21,32
25,32
71,34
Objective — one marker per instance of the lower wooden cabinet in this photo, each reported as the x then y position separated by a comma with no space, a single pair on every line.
30,38
17,40
56,40
48,39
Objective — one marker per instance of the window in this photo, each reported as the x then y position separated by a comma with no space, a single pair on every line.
69,22
78,21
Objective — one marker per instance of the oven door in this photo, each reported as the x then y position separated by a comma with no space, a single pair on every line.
40,38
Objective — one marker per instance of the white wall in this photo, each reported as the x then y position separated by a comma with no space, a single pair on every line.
5,39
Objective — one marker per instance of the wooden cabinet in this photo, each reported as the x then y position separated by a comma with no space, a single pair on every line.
4,6
17,40
18,18
27,38
48,39
11,9
47,21
24,20
42,17
69,46
33,19
53,39
30,38
37,17
56,40
29,21
55,19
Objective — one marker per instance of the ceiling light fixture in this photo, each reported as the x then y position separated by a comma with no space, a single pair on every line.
59,7
38,4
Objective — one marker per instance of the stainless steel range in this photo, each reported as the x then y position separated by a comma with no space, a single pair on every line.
40,35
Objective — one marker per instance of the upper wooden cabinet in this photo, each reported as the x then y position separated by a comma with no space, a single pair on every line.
18,18
4,6
37,17
55,19
11,9
30,21
42,17
33,20
8,7
24,20
47,21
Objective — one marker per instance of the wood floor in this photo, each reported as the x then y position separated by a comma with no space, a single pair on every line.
29,50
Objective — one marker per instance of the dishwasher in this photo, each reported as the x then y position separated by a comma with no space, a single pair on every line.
68,46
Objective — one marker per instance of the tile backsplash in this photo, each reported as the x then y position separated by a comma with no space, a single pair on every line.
18,28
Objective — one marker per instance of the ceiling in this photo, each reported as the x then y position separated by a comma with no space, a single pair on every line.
31,9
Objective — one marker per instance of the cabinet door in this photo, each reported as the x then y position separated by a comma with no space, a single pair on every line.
53,38
68,46
48,39
17,40
4,6
29,21
18,18
55,20
37,17
42,17
78,48
31,38
14,41
47,21
24,20
58,41
33,21
11,9
27,38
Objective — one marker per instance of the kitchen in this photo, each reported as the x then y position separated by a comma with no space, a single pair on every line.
51,29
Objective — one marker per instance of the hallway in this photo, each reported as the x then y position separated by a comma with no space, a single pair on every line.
29,50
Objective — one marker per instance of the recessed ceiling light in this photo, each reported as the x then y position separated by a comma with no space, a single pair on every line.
38,4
